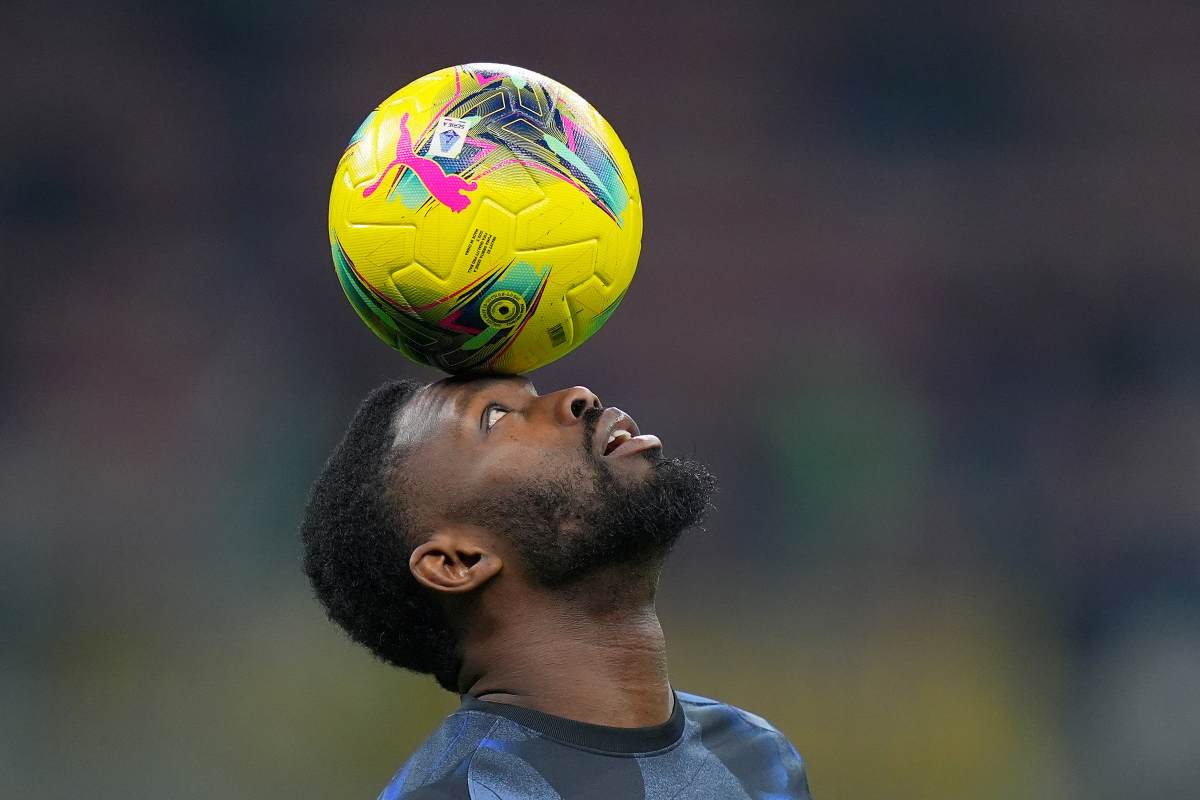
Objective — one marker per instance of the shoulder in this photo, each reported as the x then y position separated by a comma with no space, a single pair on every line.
437,770
719,720
706,708
745,742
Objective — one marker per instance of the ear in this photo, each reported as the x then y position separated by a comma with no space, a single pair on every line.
454,560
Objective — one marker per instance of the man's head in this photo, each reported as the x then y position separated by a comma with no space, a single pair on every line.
440,493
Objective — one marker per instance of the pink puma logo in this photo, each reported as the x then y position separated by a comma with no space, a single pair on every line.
446,188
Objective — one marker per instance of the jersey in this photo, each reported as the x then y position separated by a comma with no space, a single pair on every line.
706,751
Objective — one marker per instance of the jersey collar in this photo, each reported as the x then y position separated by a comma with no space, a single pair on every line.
602,738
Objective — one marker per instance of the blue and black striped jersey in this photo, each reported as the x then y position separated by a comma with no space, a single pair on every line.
706,751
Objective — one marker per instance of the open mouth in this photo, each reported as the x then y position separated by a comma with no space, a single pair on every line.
615,440
617,435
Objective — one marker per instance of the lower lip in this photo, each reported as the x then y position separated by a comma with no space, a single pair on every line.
637,444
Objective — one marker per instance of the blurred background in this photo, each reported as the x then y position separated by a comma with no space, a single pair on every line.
934,269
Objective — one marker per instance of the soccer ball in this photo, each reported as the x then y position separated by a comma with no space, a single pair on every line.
485,218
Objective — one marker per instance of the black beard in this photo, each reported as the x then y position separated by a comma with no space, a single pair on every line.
570,528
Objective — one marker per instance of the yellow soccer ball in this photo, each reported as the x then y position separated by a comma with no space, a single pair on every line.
485,218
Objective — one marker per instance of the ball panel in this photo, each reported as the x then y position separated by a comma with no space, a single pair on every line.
381,248
486,241
415,285
569,264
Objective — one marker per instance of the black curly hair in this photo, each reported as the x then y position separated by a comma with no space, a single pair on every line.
357,541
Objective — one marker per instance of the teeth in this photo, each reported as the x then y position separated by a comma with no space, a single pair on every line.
618,437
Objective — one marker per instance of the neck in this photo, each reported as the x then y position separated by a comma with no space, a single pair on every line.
562,654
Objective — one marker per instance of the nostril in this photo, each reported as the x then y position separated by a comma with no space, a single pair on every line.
577,407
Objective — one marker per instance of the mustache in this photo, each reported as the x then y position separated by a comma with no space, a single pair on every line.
591,418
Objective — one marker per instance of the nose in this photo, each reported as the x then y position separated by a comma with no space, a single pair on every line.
569,404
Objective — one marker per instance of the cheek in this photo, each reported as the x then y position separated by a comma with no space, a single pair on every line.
518,460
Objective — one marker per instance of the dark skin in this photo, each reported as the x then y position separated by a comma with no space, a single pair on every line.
559,652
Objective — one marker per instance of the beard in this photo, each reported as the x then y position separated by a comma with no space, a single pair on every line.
569,528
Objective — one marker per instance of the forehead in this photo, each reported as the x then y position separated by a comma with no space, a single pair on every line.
440,406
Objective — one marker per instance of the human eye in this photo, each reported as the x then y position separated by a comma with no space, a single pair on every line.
492,414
